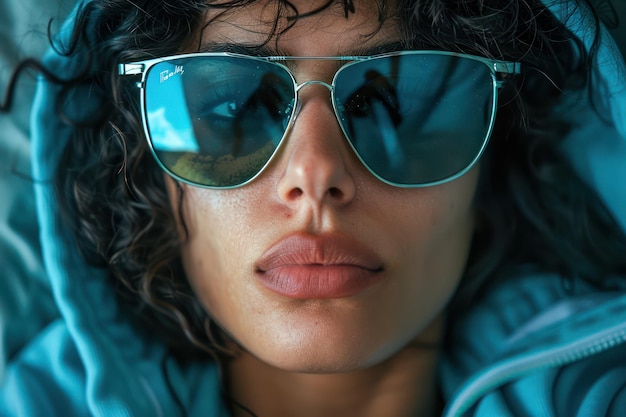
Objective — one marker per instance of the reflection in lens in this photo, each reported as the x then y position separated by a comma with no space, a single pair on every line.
377,96
223,171
233,110
374,89
266,105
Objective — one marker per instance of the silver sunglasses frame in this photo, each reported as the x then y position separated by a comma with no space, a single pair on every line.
499,70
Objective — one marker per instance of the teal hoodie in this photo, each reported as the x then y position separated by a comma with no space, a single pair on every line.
527,349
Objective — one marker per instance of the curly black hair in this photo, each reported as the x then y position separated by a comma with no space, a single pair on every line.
533,208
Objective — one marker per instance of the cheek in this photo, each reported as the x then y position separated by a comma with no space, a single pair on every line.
225,234
431,234
213,239
441,233
432,227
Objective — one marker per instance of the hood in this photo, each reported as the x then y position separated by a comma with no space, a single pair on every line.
494,347
121,374
597,145
124,375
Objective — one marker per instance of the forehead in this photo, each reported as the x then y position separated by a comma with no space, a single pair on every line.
326,32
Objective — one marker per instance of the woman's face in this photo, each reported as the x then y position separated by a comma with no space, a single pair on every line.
317,266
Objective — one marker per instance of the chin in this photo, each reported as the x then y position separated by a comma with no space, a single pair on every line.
318,363
330,349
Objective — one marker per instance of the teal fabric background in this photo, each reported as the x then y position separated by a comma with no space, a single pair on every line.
25,302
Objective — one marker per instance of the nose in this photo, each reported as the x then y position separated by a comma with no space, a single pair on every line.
317,158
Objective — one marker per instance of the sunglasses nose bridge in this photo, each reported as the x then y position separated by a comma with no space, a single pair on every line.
304,84
314,82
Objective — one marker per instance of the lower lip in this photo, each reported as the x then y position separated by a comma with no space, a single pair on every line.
319,281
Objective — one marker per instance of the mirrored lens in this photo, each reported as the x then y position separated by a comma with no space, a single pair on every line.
216,120
416,118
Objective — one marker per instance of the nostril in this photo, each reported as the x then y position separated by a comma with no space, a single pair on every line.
295,193
335,192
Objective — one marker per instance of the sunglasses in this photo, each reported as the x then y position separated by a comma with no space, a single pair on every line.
413,118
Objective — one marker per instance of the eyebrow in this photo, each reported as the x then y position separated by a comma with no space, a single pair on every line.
264,50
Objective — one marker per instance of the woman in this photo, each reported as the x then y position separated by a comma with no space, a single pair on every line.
416,242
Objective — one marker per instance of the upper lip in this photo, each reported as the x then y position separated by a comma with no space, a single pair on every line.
319,250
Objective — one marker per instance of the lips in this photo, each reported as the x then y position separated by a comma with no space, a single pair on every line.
318,267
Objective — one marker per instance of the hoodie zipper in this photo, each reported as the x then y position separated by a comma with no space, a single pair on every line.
515,367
